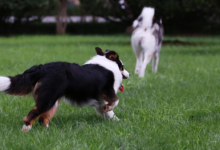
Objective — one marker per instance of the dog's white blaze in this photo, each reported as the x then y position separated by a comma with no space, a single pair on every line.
110,65
5,83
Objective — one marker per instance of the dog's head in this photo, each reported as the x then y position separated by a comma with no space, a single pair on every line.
113,56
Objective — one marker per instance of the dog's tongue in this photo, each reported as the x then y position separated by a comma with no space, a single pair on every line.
121,88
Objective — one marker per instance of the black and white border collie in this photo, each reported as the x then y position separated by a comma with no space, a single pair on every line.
93,84
147,40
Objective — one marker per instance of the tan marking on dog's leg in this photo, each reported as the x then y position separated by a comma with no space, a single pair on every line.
37,85
25,127
47,116
30,121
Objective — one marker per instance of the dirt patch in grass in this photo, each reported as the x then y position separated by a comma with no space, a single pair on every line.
178,42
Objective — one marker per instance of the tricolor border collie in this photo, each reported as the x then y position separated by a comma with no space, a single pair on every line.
147,40
93,84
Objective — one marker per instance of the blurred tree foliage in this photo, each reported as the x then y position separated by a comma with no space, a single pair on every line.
179,13
185,15
22,10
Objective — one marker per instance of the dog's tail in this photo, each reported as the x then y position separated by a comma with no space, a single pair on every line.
145,20
21,84
5,83
17,85
148,14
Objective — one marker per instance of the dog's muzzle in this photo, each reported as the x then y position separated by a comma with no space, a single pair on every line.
125,74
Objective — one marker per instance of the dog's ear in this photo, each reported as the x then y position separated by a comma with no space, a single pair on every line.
99,51
112,55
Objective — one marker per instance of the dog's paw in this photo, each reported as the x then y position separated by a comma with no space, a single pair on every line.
141,75
47,125
154,70
115,118
136,71
26,128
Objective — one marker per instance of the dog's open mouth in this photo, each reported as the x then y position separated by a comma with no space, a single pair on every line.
121,88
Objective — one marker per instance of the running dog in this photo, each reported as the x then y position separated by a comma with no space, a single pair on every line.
147,40
93,84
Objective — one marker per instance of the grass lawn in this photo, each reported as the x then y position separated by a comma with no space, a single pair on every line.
176,108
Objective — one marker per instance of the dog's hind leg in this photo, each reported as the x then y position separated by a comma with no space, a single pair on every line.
139,59
47,116
147,58
37,112
46,98
155,61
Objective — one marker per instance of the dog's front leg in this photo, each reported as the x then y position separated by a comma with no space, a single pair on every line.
147,58
155,62
111,115
139,59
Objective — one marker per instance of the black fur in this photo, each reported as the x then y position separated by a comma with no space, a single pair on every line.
78,83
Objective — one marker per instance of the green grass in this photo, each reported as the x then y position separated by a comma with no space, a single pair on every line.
177,108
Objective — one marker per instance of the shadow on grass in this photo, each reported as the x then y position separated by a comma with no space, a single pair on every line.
61,121
205,116
204,51
178,42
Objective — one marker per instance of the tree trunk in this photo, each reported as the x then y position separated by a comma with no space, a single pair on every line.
61,19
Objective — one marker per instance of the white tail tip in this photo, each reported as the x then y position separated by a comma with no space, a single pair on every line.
4,83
